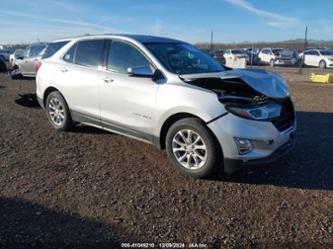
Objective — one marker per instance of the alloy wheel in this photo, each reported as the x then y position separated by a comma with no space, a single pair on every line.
189,149
56,111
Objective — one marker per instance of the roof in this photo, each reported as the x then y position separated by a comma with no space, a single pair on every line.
148,38
136,37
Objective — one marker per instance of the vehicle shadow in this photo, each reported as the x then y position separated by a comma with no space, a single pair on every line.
27,100
308,166
29,225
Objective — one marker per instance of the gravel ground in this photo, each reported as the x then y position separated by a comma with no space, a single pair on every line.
90,188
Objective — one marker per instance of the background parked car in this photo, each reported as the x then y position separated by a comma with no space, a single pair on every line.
13,57
287,57
218,55
268,55
25,64
6,53
233,54
253,55
318,57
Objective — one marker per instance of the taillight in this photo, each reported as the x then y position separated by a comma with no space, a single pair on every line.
37,66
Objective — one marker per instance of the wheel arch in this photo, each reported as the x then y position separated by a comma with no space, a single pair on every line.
322,60
47,92
171,120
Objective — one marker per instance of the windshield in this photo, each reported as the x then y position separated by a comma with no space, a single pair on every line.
288,52
235,51
326,52
276,51
182,58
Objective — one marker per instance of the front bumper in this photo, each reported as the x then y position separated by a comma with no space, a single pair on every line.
285,61
233,165
268,142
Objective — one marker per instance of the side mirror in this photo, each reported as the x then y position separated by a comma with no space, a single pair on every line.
144,72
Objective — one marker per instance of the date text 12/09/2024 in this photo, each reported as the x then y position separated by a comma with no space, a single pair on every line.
163,245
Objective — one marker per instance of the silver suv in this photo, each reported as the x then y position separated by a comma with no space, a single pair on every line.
168,93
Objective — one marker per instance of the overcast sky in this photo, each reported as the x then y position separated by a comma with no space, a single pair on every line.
24,21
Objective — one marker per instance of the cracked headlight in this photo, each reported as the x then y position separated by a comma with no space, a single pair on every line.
264,112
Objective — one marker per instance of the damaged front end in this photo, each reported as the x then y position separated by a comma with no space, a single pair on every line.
251,94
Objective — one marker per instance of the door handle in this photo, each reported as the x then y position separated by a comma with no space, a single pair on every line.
107,79
63,69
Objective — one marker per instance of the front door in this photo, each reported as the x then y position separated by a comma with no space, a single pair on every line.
23,63
310,58
127,103
316,59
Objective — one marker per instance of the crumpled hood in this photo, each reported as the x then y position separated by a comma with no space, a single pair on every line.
266,82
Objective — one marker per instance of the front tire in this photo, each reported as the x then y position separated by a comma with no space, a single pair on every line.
272,64
192,148
322,64
57,112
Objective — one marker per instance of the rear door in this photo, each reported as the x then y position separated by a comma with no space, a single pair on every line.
77,76
22,63
127,103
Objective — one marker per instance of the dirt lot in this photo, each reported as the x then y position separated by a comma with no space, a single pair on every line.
87,185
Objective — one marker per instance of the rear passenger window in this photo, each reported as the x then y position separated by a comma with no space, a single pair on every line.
89,53
122,56
69,56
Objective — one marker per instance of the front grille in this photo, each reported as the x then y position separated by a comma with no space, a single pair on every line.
287,117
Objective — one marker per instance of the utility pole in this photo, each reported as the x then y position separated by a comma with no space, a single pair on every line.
211,41
252,52
301,64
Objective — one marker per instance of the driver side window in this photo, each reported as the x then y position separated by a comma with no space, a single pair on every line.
122,56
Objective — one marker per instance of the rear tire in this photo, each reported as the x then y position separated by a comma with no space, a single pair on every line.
192,148
58,112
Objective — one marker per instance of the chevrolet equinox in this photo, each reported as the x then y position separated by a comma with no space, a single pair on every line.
168,93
